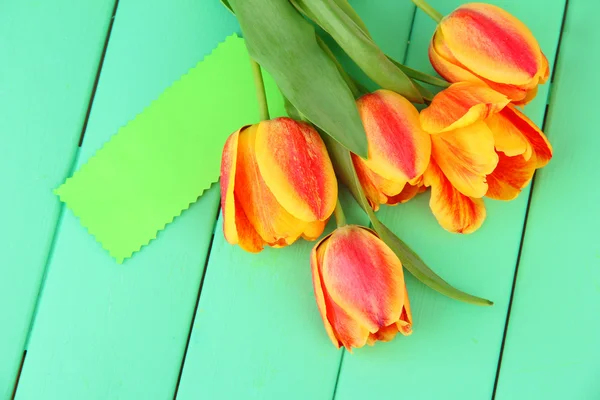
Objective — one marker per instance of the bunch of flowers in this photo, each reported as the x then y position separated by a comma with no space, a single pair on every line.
279,178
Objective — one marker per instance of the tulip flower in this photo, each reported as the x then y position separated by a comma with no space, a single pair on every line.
277,184
399,149
359,288
481,146
483,43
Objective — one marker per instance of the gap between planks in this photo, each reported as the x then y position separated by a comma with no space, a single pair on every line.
62,206
531,193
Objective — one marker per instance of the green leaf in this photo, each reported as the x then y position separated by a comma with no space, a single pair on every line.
285,44
353,15
359,46
410,260
420,76
226,4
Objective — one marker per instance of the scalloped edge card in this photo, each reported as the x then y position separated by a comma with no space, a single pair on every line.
164,159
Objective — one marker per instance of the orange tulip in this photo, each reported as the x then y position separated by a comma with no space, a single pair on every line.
481,146
483,43
359,288
399,149
277,184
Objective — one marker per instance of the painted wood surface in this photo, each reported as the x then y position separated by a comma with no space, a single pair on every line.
108,331
454,350
552,349
50,53
104,331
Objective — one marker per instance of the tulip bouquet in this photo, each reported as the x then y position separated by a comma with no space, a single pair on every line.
279,178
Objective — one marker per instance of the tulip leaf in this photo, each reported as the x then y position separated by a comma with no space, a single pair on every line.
285,44
358,45
226,4
410,260
420,76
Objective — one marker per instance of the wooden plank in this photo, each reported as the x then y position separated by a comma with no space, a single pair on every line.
50,55
108,331
453,352
257,332
551,349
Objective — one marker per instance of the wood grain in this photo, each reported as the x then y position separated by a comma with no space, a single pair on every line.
50,55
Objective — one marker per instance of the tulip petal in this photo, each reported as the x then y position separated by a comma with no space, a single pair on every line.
489,40
399,149
408,192
366,179
454,211
450,68
236,227
446,64
248,238
466,156
316,258
296,168
364,277
510,176
313,230
377,188
404,324
523,126
461,105
342,329
272,222
228,168
385,334
507,138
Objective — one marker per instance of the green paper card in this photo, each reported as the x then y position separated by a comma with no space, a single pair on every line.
164,159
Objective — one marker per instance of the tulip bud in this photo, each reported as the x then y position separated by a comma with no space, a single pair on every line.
277,184
399,149
483,43
359,287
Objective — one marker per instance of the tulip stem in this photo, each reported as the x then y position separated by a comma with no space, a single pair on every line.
261,96
429,10
340,218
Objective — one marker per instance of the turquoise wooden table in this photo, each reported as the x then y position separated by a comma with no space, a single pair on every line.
190,317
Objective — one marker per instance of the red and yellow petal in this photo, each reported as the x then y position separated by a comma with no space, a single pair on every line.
454,211
466,156
366,179
236,227
295,166
376,187
228,168
460,105
408,192
507,138
364,277
341,328
476,34
316,259
313,230
385,334
247,237
510,176
515,123
446,65
404,324
273,223
399,149
450,68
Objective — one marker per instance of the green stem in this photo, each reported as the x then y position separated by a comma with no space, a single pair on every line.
340,218
432,12
261,96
